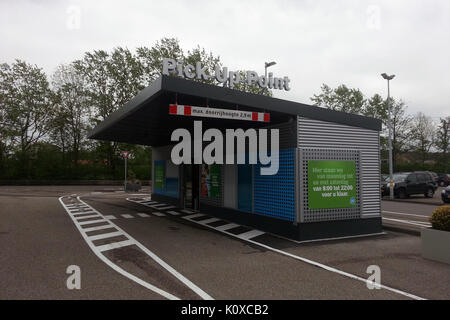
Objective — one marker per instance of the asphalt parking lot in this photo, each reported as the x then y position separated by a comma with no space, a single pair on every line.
154,251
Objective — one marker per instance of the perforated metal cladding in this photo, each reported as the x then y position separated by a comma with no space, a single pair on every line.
319,134
274,195
308,215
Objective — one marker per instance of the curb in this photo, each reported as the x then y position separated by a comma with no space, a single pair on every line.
436,203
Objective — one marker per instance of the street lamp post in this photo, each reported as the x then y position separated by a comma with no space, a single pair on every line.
267,65
391,169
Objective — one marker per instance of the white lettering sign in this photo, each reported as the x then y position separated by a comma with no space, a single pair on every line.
222,75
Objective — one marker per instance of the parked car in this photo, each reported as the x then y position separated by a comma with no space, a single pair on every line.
445,195
408,183
384,177
434,175
444,179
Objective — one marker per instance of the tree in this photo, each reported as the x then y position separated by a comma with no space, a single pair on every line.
111,80
442,142
376,107
341,98
25,98
70,123
151,59
422,135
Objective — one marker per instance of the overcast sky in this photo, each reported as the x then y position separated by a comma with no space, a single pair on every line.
313,42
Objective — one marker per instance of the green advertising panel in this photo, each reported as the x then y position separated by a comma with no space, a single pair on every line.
211,181
159,175
331,184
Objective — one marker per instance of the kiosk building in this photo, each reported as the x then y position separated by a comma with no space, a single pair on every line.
328,179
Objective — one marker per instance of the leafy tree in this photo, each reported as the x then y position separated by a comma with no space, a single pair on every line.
422,135
376,107
442,142
111,80
151,59
25,98
341,98
70,123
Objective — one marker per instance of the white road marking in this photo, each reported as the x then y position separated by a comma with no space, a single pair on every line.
227,227
162,263
127,216
91,222
105,235
250,234
110,217
158,214
106,226
157,206
115,245
146,202
143,215
166,208
78,215
211,220
415,223
86,217
174,213
317,264
406,214
192,216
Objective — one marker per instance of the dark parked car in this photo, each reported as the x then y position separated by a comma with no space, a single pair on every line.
434,175
444,179
408,183
446,195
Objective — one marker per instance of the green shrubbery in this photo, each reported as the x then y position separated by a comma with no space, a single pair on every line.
440,219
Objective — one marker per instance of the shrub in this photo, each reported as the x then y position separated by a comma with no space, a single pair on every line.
440,218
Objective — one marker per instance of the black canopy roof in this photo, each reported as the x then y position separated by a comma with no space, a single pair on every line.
145,119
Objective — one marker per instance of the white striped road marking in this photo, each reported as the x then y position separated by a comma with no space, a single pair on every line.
139,194
415,223
162,263
192,216
174,213
166,208
146,202
250,234
79,215
110,217
227,226
187,211
406,214
158,214
143,215
317,264
127,216
106,226
115,245
105,235
87,217
77,208
91,222
157,206
211,220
